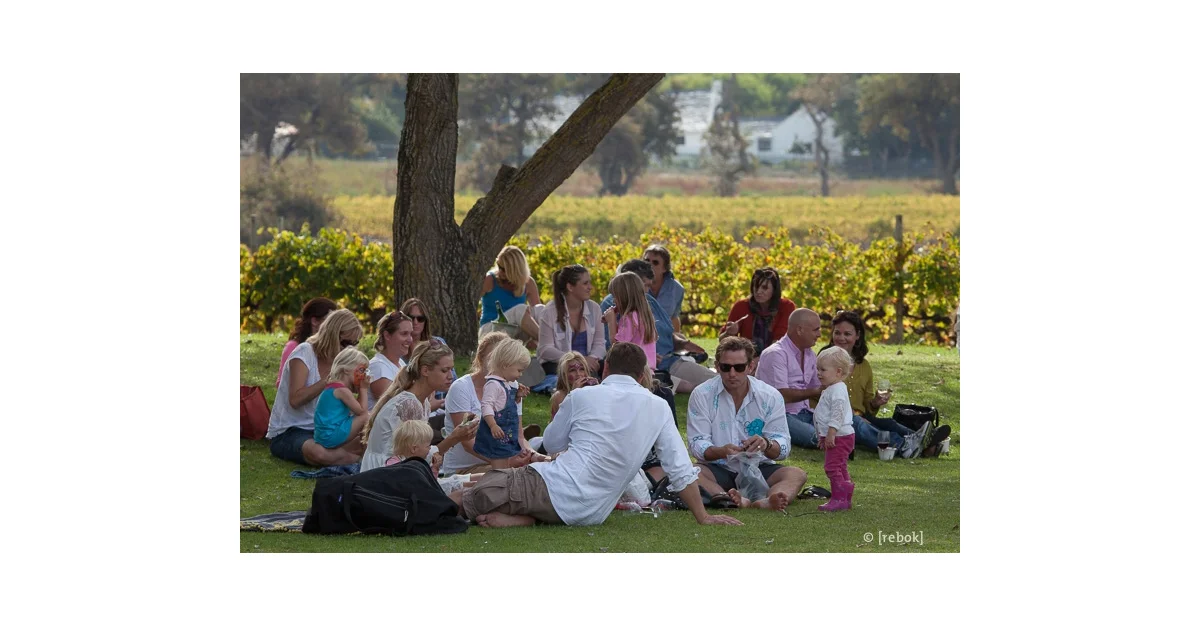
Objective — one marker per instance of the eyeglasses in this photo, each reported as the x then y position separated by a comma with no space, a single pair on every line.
728,367
420,319
347,343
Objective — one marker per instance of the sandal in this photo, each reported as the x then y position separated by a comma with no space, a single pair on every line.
814,492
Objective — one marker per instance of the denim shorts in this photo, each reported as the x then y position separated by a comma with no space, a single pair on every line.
289,445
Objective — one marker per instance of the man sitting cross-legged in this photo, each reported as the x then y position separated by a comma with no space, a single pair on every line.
736,412
606,431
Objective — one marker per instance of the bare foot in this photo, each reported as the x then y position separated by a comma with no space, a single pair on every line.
777,501
496,520
739,499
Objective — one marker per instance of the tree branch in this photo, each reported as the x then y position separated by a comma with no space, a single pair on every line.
499,214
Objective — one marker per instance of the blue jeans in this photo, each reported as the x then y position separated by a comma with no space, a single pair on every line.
800,427
866,434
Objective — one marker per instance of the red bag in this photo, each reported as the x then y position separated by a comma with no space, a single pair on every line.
255,413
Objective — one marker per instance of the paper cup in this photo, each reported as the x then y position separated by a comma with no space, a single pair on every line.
887,453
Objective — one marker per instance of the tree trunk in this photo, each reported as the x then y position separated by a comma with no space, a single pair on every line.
444,264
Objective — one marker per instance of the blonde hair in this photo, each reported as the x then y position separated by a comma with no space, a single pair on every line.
424,355
345,362
564,362
327,342
516,268
484,351
838,358
629,293
508,352
410,433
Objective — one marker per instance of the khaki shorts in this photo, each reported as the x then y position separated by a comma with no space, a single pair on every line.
516,491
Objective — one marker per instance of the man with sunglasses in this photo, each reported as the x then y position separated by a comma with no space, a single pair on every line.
738,413
664,288
790,366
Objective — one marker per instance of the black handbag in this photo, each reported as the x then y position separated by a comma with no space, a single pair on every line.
399,500
914,416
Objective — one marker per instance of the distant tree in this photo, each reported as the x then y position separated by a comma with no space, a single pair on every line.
437,259
319,106
648,130
724,153
819,96
927,104
506,109
758,95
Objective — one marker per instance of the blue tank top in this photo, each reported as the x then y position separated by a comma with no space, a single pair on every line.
579,342
498,295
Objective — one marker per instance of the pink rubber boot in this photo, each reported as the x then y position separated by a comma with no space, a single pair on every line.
848,493
837,499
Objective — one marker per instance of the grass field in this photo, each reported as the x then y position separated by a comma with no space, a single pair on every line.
345,177
898,496
857,218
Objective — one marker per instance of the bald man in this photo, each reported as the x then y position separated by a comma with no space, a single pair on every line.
790,366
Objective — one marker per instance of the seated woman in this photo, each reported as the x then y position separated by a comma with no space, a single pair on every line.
304,377
312,314
849,333
407,398
572,323
762,318
393,340
415,309
509,288
463,402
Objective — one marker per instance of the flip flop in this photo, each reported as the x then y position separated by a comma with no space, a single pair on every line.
814,492
722,501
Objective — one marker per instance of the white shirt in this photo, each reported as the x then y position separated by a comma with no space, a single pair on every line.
461,397
607,431
381,367
712,420
283,415
554,339
833,410
403,406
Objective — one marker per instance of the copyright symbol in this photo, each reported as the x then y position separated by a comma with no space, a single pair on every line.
868,536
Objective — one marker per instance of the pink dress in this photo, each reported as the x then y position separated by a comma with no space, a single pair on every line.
629,329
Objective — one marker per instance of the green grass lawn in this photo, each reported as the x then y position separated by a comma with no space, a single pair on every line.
905,496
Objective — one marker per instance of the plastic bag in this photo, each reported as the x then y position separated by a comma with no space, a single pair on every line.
750,481
638,490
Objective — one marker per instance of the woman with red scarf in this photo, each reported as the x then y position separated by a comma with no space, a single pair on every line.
762,318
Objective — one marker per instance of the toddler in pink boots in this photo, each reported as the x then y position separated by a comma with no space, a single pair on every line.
834,421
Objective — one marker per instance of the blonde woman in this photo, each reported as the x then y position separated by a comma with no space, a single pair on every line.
407,398
304,377
510,288
573,372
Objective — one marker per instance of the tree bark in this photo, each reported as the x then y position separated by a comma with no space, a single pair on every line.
443,263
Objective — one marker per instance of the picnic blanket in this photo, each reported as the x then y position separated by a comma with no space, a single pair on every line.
328,471
279,521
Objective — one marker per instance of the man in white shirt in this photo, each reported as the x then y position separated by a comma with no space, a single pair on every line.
734,413
606,432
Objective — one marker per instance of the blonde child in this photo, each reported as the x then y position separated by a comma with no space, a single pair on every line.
636,324
834,421
500,437
341,407
414,438
573,373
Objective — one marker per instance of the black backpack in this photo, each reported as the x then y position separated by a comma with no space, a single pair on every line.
913,416
399,500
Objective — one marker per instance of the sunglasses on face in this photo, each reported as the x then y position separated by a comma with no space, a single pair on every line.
728,367
348,343
420,319
654,262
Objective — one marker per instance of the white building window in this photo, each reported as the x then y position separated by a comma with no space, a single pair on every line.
680,140
764,144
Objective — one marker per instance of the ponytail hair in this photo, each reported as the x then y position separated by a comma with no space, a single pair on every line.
424,355
560,280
